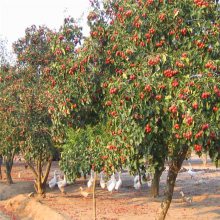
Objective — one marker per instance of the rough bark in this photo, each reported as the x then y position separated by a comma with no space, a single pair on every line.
47,170
174,167
155,185
8,168
41,179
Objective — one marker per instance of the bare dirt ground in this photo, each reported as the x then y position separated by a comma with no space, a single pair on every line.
126,204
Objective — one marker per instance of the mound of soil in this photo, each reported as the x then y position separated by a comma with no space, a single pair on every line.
31,209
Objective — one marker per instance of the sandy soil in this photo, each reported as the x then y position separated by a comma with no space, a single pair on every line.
126,204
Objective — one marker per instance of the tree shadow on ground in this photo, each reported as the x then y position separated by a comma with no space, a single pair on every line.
9,191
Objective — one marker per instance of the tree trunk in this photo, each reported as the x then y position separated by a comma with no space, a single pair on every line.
47,171
41,180
155,185
0,172
1,160
40,189
8,168
94,198
174,167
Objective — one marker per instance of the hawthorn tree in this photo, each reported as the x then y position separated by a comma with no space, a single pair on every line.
79,84
39,136
163,91
10,125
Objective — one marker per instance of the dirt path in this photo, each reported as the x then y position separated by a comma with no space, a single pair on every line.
128,204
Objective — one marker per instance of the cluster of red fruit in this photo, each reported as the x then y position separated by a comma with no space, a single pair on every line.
201,3
189,120
170,73
113,90
58,52
148,128
176,126
173,108
154,61
195,105
175,83
150,33
199,134
112,147
200,44
210,65
160,43
162,16
147,88
205,95
108,103
180,64
197,147
187,135
205,127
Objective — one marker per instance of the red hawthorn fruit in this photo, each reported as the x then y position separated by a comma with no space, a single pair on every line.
113,113
175,83
105,85
113,90
189,120
108,103
74,105
179,64
158,97
184,55
197,147
172,32
142,95
212,135
201,3
132,77
199,134
112,147
142,44
170,73
113,133
61,37
187,135
195,105
162,16
205,95
183,31
215,108
147,88
128,13
177,136
162,86
173,108
205,127
147,35
154,61
200,44
152,31
148,128
176,126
